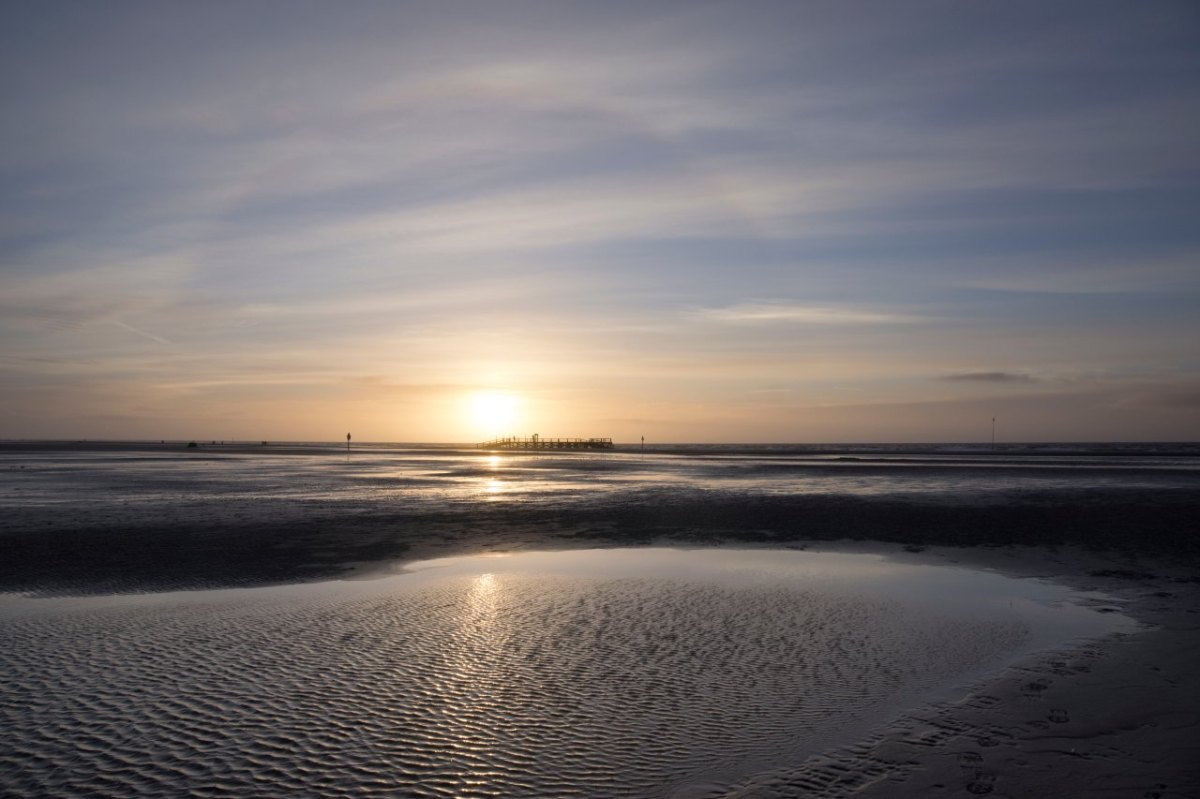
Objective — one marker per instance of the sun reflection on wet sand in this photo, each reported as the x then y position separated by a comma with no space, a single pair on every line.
474,714
586,673
482,596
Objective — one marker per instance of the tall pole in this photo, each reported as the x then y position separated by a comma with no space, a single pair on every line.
993,432
643,446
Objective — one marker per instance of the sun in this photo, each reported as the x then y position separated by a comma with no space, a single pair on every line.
494,412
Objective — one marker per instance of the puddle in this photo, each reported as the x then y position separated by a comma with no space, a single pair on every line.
637,672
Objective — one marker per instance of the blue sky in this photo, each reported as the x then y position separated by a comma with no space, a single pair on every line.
802,221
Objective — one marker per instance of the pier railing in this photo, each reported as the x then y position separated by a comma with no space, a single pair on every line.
537,442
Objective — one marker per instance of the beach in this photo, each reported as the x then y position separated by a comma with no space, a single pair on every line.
1110,714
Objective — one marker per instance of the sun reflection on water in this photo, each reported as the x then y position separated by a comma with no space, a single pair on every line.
529,674
483,592
476,680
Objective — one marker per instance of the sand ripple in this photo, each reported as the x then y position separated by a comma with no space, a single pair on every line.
493,685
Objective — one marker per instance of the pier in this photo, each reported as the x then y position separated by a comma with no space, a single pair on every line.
536,442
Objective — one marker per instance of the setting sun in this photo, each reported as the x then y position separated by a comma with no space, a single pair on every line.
493,412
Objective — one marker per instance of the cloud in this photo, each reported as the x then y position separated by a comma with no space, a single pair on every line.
578,193
753,313
1184,396
990,377
1172,270
142,333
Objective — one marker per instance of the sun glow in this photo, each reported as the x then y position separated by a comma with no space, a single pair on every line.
493,413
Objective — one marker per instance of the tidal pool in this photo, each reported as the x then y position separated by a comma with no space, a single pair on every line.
635,672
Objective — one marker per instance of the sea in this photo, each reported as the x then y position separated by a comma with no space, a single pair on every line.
265,619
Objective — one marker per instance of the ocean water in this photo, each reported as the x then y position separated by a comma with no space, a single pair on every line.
645,672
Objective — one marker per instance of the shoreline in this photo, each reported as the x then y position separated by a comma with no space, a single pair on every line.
1112,717
137,547
88,518
1109,717
1115,717
1032,449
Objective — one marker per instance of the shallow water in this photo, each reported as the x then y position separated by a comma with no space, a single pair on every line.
647,672
93,488
87,519
275,474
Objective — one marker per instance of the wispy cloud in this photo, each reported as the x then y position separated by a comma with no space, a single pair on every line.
1181,395
598,197
1094,273
142,333
990,377
753,313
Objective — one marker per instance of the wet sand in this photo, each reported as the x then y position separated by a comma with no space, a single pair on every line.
1117,717
613,672
77,551
169,535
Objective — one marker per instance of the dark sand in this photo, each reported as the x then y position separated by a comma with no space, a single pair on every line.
157,550
217,541
1119,717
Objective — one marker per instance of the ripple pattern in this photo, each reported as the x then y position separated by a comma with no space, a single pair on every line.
497,685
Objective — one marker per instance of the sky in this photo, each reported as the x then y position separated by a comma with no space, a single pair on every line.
690,221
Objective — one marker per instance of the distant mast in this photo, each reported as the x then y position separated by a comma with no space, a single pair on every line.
993,432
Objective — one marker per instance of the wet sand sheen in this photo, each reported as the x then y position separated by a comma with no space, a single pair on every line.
92,520
602,673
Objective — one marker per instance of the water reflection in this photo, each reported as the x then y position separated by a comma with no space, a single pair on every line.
1054,613
481,599
469,696
586,673
128,492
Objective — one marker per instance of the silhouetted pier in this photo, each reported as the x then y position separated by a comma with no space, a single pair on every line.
537,442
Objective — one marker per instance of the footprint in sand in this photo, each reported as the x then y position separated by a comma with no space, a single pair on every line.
983,783
984,701
969,759
987,740
1034,688
1058,716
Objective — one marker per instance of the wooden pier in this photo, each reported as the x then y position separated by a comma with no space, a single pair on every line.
536,442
